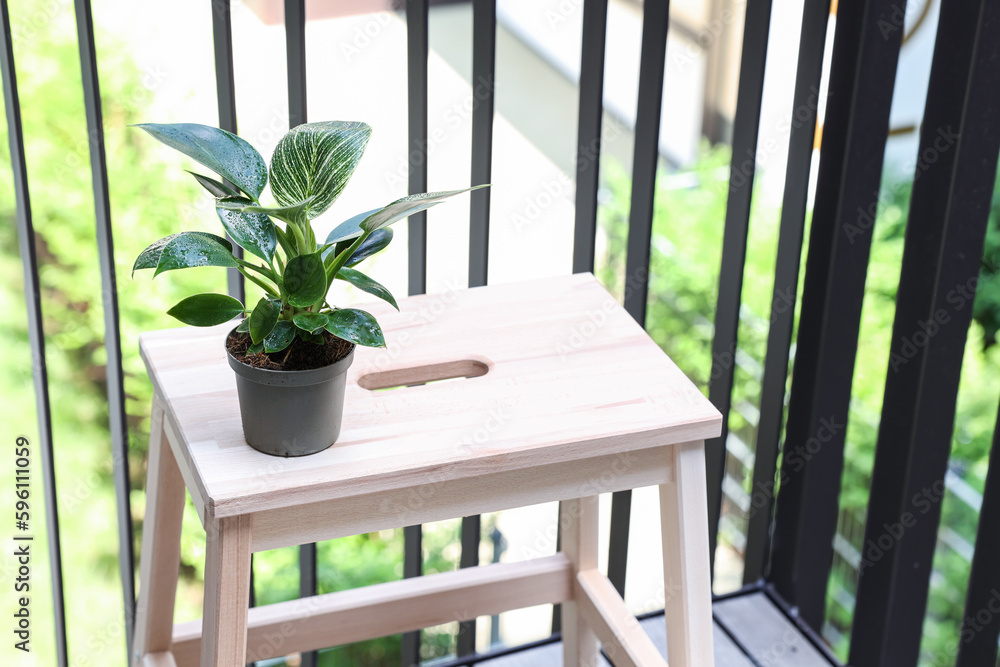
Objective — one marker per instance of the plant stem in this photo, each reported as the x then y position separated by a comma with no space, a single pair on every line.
341,260
260,283
311,238
263,270
300,241
283,240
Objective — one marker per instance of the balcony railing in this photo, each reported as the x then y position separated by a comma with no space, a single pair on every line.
794,538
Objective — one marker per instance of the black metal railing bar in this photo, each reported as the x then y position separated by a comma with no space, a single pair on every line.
945,233
588,148
417,51
646,156
484,47
789,510
653,49
978,640
860,95
295,50
953,56
801,141
225,86
36,330
115,376
749,94
484,40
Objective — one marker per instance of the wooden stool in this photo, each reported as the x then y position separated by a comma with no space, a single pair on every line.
566,398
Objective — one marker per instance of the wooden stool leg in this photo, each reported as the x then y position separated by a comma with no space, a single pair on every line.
227,592
686,570
578,519
161,544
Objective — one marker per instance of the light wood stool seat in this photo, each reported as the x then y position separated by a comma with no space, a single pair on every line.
566,397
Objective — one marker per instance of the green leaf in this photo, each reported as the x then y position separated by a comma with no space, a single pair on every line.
315,339
281,336
254,232
349,229
244,326
316,160
221,151
295,213
311,322
287,244
263,318
191,250
215,187
356,326
206,310
150,257
366,284
255,348
376,242
305,280
407,206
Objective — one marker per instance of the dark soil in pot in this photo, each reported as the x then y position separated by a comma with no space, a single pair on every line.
299,356
291,402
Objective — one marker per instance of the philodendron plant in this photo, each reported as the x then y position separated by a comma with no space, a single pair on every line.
309,169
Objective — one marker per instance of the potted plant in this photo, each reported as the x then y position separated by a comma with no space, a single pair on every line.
292,350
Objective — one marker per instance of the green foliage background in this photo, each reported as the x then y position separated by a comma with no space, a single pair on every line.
150,197
684,271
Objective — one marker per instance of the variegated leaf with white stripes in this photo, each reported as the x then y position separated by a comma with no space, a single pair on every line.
407,206
316,160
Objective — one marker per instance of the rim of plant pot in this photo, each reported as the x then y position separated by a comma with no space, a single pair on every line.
293,378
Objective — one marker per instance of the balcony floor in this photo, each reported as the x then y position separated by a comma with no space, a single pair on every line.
749,631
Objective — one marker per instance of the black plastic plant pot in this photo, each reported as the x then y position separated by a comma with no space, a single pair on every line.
291,413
